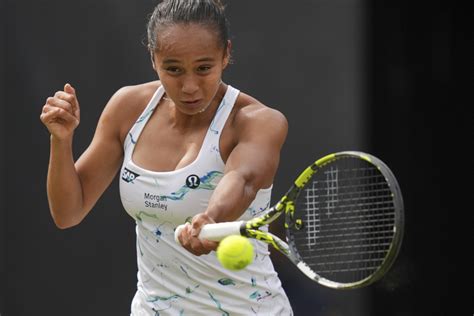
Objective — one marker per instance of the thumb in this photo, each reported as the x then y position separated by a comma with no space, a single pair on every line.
69,89
75,103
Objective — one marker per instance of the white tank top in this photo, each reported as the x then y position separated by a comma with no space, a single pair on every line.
172,281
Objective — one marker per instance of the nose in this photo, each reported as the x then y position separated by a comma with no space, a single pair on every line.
190,85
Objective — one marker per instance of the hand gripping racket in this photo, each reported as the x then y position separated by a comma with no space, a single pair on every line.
344,221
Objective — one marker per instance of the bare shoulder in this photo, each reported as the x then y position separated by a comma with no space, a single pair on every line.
126,104
133,98
250,113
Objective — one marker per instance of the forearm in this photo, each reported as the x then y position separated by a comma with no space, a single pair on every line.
63,185
231,198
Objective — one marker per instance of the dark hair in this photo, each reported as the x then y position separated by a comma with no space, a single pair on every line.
209,13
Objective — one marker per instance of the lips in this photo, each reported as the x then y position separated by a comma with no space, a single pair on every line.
192,103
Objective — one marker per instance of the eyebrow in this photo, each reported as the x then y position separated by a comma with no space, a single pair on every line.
172,61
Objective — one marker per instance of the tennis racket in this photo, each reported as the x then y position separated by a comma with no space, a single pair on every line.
344,221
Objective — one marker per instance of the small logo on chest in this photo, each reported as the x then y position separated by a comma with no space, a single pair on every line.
128,175
193,181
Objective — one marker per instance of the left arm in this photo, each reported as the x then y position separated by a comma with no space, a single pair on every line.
251,166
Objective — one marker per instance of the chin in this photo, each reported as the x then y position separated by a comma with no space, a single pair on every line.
191,110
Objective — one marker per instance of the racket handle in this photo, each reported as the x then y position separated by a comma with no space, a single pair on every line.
214,232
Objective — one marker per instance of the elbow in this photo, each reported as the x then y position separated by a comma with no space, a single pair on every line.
63,225
65,216
62,222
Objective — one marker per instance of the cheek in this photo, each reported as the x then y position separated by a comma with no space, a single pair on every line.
211,83
170,85
211,80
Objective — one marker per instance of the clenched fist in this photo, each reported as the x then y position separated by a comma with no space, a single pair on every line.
61,113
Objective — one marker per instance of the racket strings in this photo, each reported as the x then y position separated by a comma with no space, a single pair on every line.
349,217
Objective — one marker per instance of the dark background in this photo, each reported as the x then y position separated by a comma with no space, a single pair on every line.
376,76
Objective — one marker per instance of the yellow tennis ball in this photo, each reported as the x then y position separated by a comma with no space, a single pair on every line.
235,252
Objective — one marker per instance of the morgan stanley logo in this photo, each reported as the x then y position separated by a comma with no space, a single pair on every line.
128,175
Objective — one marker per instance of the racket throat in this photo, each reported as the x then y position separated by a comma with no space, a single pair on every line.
290,220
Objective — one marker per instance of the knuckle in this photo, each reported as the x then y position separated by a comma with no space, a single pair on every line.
196,244
68,97
48,109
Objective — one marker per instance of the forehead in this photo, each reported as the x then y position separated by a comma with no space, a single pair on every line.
187,40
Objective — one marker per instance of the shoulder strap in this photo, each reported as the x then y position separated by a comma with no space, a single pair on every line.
137,128
224,109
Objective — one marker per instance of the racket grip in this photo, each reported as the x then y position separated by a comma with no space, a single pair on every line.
214,232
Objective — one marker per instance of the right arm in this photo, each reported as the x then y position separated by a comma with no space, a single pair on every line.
74,187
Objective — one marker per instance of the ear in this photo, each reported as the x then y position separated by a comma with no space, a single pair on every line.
152,57
228,50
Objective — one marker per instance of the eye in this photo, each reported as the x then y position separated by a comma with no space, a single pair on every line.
203,69
173,70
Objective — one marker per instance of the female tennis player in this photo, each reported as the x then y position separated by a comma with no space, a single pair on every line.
188,147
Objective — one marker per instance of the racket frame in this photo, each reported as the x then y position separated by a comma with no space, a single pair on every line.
289,199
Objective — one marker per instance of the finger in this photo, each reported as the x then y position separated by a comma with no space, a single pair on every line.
48,108
68,97
195,227
58,115
192,244
68,88
199,221
60,103
209,245
182,237
51,110
47,115
198,247
197,224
